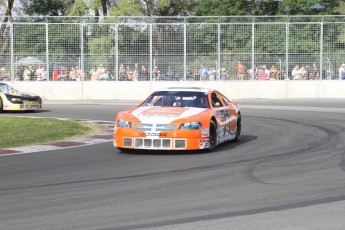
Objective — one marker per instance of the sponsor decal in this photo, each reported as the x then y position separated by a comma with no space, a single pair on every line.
162,112
31,102
152,134
205,131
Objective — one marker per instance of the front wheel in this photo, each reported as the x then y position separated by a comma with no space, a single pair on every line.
213,136
238,131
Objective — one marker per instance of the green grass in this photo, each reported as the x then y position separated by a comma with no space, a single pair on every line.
20,131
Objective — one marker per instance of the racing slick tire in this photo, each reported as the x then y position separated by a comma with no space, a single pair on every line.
124,150
213,136
238,131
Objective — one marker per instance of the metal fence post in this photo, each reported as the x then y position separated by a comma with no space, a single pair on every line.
151,66
81,64
287,51
321,50
218,50
253,50
12,53
185,51
117,51
47,50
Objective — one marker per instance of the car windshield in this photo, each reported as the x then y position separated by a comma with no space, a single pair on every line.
4,88
177,99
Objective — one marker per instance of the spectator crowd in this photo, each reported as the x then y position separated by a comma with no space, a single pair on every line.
136,73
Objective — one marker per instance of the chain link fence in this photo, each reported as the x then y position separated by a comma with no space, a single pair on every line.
172,48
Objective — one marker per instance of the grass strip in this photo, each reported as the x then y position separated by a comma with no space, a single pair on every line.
21,131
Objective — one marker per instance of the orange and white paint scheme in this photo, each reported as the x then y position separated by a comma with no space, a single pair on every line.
179,119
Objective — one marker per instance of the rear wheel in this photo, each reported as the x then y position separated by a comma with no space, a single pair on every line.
213,136
238,131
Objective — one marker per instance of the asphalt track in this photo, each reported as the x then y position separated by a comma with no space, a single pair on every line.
287,172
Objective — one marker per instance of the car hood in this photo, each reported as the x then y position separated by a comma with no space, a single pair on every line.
20,94
164,114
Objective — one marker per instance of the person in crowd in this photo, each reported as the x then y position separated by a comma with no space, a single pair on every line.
4,74
341,72
273,73
282,75
63,73
31,73
129,73
267,71
296,73
329,73
262,75
314,75
212,74
156,74
38,72
239,71
105,75
143,74
135,75
92,70
77,72
252,72
203,71
223,75
170,75
26,74
44,74
72,74
196,76
121,73
306,72
56,73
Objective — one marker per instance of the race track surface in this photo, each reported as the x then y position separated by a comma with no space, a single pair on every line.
287,172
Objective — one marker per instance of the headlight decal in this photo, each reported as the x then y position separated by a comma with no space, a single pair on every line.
123,123
191,125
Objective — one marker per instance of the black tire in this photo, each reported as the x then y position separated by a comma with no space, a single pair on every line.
124,150
1,105
213,136
238,131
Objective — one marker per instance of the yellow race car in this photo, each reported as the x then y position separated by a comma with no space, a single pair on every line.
11,99
179,119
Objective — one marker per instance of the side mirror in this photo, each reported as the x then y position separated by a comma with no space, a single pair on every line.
217,105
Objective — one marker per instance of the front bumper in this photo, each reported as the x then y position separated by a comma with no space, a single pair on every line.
22,107
179,140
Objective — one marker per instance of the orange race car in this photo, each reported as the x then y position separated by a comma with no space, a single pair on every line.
179,119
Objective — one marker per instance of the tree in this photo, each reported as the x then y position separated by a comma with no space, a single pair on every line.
46,7
154,8
4,32
307,7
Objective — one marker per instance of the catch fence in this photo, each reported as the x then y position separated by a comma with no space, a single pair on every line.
171,48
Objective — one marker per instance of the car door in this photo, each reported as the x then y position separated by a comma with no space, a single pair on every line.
222,114
233,113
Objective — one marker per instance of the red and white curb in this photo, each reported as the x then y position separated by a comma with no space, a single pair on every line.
107,136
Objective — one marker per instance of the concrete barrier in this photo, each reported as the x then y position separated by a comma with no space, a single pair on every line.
139,90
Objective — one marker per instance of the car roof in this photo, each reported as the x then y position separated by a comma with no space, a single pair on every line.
186,89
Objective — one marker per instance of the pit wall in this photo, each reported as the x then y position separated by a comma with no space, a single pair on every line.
110,90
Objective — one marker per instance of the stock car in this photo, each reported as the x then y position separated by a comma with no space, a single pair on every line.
11,99
179,118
